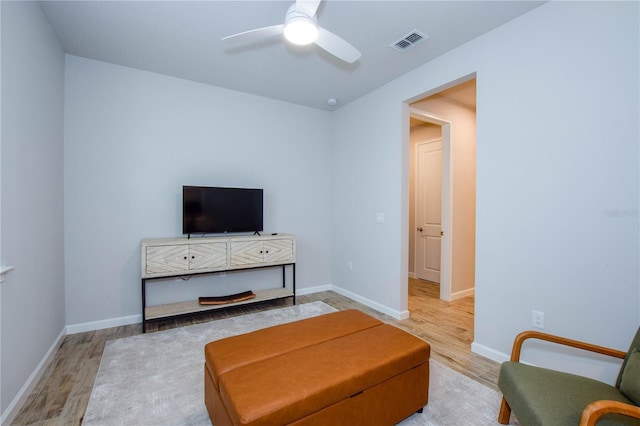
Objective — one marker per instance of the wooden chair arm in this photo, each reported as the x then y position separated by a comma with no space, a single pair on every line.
530,334
592,413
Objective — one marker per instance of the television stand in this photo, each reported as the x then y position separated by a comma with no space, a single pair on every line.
182,257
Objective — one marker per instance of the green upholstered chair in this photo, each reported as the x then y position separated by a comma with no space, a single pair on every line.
539,396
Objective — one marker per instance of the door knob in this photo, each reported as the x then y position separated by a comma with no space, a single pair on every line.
420,229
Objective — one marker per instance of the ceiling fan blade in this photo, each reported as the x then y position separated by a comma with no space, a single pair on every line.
337,46
257,34
307,7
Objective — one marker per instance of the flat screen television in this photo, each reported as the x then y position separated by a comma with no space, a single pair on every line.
211,210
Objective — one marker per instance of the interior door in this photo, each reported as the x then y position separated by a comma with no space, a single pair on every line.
428,209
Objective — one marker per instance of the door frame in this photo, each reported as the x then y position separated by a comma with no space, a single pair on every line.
446,253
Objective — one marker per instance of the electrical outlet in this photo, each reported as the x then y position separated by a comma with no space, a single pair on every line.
350,265
538,319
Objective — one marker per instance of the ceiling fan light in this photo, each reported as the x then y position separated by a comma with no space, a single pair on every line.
301,31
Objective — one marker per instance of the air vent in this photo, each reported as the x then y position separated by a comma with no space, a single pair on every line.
410,40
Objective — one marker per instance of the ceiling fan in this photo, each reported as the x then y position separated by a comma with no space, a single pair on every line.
301,27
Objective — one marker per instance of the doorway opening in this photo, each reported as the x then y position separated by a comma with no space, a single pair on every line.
442,191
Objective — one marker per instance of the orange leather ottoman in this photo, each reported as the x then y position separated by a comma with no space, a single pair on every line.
340,368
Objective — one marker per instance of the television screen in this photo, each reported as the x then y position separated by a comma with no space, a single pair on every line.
210,210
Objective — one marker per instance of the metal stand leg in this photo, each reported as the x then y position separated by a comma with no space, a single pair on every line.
144,303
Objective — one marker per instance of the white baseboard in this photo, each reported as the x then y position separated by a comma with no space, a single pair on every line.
487,352
464,293
399,315
311,290
99,325
14,407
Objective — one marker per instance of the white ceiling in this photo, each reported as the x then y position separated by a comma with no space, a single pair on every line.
183,39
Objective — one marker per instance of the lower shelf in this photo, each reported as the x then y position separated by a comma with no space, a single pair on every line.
172,309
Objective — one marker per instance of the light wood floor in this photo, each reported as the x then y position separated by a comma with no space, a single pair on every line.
62,394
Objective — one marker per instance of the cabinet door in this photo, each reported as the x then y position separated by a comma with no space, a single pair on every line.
246,253
278,251
167,259
207,256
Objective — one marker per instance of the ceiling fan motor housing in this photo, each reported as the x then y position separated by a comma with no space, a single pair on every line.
300,28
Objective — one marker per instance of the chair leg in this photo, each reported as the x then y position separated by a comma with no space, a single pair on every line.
505,412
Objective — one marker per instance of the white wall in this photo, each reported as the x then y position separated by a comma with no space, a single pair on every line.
557,177
133,138
32,216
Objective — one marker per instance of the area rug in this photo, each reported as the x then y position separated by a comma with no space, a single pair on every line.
157,378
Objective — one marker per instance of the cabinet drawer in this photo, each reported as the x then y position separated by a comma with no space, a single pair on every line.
278,251
207,256
167,259
256,252
246,252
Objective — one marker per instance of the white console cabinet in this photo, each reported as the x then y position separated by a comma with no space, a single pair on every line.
169,257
